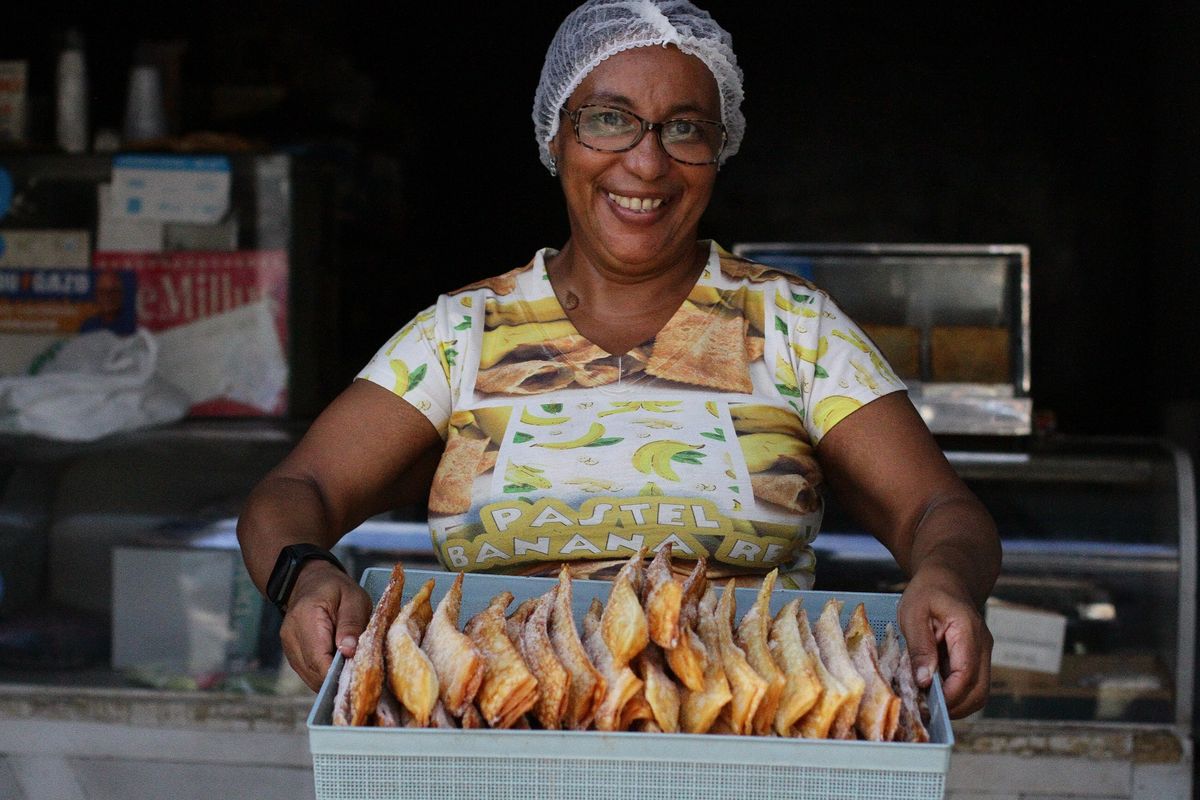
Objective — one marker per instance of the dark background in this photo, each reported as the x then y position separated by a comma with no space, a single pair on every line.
1071,129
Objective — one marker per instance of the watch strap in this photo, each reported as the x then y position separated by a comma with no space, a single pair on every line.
291,560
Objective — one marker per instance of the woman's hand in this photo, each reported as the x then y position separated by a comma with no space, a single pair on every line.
326,612
944,630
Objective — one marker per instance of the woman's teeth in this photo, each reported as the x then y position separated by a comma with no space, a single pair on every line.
636,203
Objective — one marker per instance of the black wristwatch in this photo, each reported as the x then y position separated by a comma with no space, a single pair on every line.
287,569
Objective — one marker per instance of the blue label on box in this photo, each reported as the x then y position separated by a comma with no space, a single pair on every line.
6,194
172,163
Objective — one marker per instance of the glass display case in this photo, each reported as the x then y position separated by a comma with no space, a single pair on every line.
1099,532
952,320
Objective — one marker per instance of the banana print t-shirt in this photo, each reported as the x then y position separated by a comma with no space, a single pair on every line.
703,436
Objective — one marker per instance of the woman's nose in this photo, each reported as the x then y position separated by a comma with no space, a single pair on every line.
647,159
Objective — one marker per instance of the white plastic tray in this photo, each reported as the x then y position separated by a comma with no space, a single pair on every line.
589,765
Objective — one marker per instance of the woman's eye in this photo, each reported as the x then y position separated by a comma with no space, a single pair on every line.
610,121
681,130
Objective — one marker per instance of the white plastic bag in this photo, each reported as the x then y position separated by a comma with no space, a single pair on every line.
95,384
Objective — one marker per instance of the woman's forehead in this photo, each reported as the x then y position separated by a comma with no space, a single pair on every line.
656,78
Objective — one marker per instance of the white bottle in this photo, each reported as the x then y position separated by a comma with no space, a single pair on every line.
71,120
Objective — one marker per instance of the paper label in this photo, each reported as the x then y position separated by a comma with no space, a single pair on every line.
53,249
171,188
1026,638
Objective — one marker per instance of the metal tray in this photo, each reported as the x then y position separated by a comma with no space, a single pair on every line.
588,765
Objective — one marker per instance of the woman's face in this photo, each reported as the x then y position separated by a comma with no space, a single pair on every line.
668,197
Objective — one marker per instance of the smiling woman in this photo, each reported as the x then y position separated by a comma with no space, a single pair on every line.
634,388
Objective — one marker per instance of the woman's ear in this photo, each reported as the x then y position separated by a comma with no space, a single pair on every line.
555,148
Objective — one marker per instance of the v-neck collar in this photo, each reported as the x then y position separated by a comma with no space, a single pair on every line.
539,275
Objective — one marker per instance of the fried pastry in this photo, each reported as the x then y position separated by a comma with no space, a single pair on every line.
517,619
636,712
411,675
744,682
879,711
832,644
753,636
341,698
554,682
366,681
508,688
700,709
897,669
802,687
389,713
620,682
472,718
587,686
688,658
889,654
817,723
623,622
458,664
441,718
662,597
660,692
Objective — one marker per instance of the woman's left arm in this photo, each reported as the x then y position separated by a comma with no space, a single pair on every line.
884,466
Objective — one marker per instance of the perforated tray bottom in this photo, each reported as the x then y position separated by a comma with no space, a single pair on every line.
351,777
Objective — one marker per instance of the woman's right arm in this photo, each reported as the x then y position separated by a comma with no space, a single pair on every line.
367,452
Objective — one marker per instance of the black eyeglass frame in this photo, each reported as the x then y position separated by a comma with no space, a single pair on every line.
647,126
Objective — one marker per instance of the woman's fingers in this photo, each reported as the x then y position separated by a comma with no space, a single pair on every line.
325,612
947,633
967,678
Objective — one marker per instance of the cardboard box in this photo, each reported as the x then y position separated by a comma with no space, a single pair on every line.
1025,637
13,92
184,610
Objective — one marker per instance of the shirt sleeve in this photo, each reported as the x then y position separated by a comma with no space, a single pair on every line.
838,369
413,365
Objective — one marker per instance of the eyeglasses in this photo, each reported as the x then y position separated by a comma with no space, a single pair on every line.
613,130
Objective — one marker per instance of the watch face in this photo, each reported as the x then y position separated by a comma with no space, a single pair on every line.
287,566
279,585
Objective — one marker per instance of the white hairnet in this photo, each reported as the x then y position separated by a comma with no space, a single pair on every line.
602,28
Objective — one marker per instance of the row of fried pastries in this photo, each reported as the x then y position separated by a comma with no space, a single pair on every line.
662,655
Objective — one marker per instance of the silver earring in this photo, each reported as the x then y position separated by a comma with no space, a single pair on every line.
553,167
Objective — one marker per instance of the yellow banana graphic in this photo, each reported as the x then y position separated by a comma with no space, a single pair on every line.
762,450
400,370
711,406
704,295
832,410
595,432
656,457
766,419
653,406
527,475
493,420
461,419
786,304
545,309
530,419
752,308
651,489
879,364
501,341
809,354
785,373
864,376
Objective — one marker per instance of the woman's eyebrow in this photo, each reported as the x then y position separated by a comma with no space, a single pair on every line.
612,98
